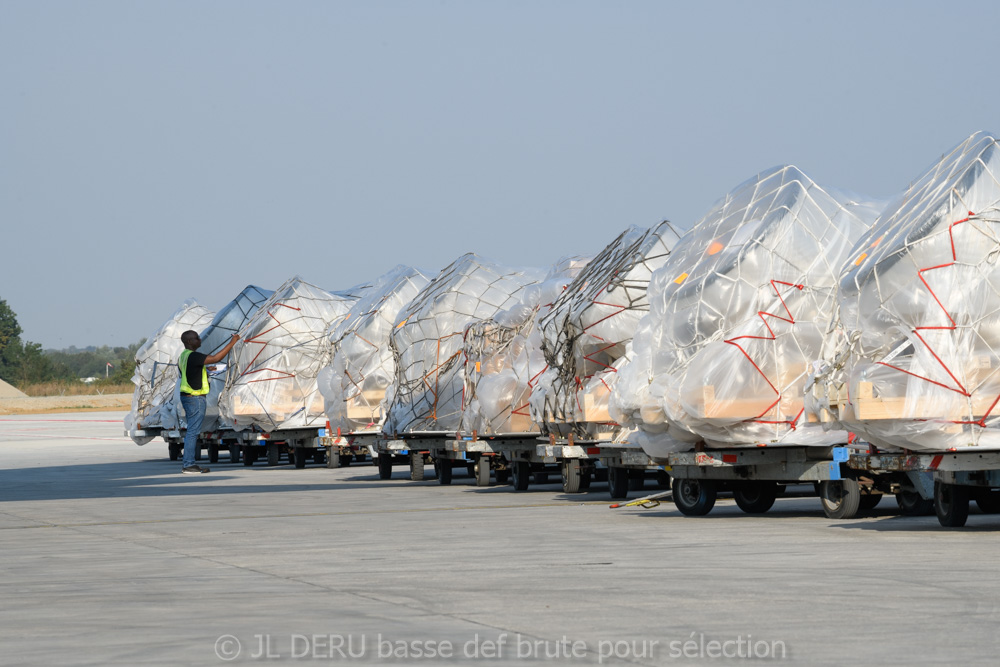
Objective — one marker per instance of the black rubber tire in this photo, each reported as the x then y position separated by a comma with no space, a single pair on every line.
636,480
869,501
586,476
540,478
663,480
840,498
470,468
503,476
444,471
482,471
520,472
988,500
911,504
174,450
694,497
319,456
618,483
571,476
299,455
234,453
273,454
416,467
384,466
951,504
345,460
249,455
213,452
755,497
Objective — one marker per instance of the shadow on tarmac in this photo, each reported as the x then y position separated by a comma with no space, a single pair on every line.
149,479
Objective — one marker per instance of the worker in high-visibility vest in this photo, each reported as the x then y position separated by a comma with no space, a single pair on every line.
194,389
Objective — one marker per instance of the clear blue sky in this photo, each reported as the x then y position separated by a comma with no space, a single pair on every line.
155,151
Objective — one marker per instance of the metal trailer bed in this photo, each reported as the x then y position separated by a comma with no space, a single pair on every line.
344,449
522,457
409,449
211,442
756,476
945,481
301,445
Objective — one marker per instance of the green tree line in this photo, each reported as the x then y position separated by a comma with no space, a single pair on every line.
23,362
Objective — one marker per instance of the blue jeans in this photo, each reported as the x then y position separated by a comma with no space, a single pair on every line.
194,410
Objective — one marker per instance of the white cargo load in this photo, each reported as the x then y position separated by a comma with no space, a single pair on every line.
917,364
736,316
503,358
354,385
428,338
588,330
155,401
271,378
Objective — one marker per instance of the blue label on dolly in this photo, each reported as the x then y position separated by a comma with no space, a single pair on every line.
834,470
322,433
840,455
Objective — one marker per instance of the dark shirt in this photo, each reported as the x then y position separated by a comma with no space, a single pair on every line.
195,364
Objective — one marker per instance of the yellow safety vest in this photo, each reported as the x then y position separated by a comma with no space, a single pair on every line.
185,387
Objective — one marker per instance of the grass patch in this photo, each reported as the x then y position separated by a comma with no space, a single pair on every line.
75,388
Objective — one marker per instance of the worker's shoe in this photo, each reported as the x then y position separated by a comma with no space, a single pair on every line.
193,470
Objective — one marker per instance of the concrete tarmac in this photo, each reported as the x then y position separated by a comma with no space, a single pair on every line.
109,556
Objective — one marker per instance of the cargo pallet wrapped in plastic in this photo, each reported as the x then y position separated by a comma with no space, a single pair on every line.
503,358
736,316
587,333
917,362
427,342
355,383
216,335
155,402
271,378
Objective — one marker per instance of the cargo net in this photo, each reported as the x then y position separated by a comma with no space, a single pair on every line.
271,379
737,315
916,364
355,383
427,342
586,334
216,335
154,404
503,358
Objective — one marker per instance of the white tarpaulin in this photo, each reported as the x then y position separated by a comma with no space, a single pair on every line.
271,379
503,357
736,316
355,383
917,362
587,332
427,341
155,402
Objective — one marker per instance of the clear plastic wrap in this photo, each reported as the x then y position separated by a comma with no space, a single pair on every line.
586,333
427,341
155,402
503,357
216,335
736,316
916,364
271,378
355,383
